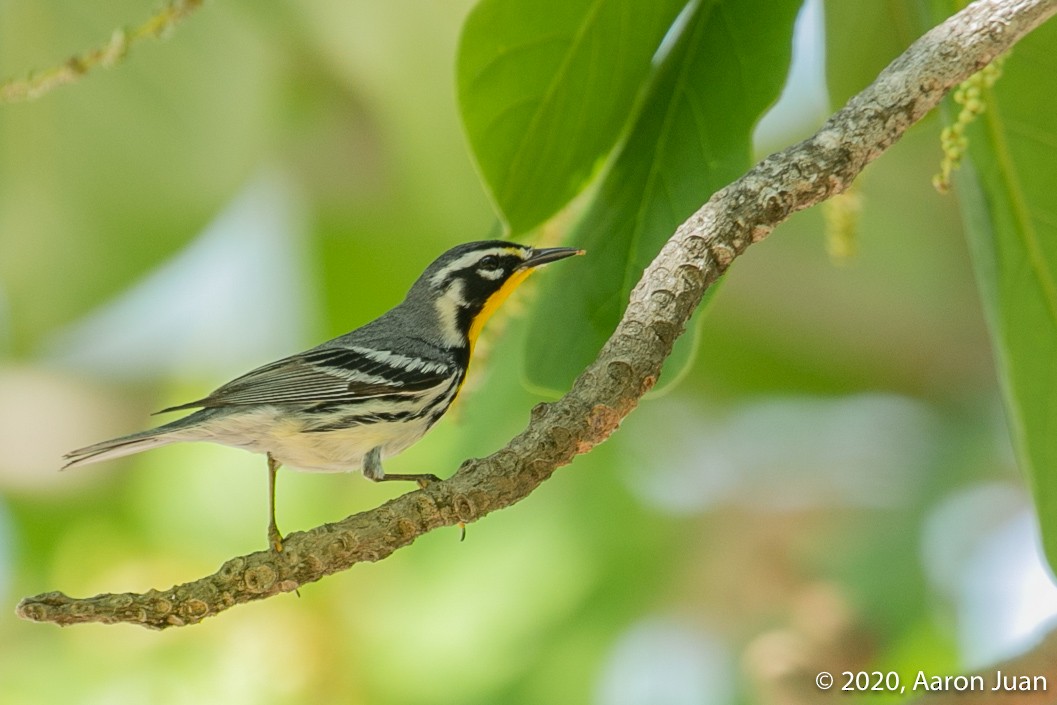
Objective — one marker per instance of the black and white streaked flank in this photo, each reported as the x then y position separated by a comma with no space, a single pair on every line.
352,401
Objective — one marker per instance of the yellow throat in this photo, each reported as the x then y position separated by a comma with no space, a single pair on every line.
494,301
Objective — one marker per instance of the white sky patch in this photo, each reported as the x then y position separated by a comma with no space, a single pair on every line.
981,549
660,661
674,32
780,454
235,296
804,103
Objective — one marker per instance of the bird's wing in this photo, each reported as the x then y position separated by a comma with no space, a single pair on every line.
328,376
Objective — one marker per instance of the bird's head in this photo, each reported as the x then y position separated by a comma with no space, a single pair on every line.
466,284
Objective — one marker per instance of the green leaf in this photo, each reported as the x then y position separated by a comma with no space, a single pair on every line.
103,180
861,39
546,89
692,136
1006,188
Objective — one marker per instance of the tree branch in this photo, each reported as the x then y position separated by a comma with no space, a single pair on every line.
628,365
18,90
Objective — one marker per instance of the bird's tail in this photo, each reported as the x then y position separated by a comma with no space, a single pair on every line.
132,443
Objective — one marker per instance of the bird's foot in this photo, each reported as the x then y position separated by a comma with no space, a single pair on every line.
425,480
275,539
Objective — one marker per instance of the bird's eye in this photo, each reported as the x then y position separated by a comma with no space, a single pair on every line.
489,262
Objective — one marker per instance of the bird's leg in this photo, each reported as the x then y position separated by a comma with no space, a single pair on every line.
275,539
372,470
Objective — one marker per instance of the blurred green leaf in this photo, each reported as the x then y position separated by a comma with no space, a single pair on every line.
545,90
852,63
103,180
1006,193
692,136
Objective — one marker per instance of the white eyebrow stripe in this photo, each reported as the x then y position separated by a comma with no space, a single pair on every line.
467,260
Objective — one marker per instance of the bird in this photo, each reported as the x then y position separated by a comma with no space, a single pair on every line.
353,401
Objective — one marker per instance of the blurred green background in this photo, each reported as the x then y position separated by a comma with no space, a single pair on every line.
831,487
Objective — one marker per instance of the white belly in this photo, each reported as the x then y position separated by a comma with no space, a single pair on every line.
265,430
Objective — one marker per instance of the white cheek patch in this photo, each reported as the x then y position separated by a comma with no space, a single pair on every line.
491,274
448,307
455,293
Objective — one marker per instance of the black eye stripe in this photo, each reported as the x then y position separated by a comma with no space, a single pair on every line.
488,271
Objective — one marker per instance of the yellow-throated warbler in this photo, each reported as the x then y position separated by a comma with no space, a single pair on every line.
367,395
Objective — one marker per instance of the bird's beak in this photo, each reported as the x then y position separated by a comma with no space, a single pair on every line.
548,254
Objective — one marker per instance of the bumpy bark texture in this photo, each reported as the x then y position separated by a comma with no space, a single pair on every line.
669,291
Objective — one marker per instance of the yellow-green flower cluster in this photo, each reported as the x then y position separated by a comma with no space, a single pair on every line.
970,94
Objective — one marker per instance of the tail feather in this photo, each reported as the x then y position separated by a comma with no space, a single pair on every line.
132,443
114,448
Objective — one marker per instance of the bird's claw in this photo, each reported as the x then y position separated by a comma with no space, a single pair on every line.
275,540
426,480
